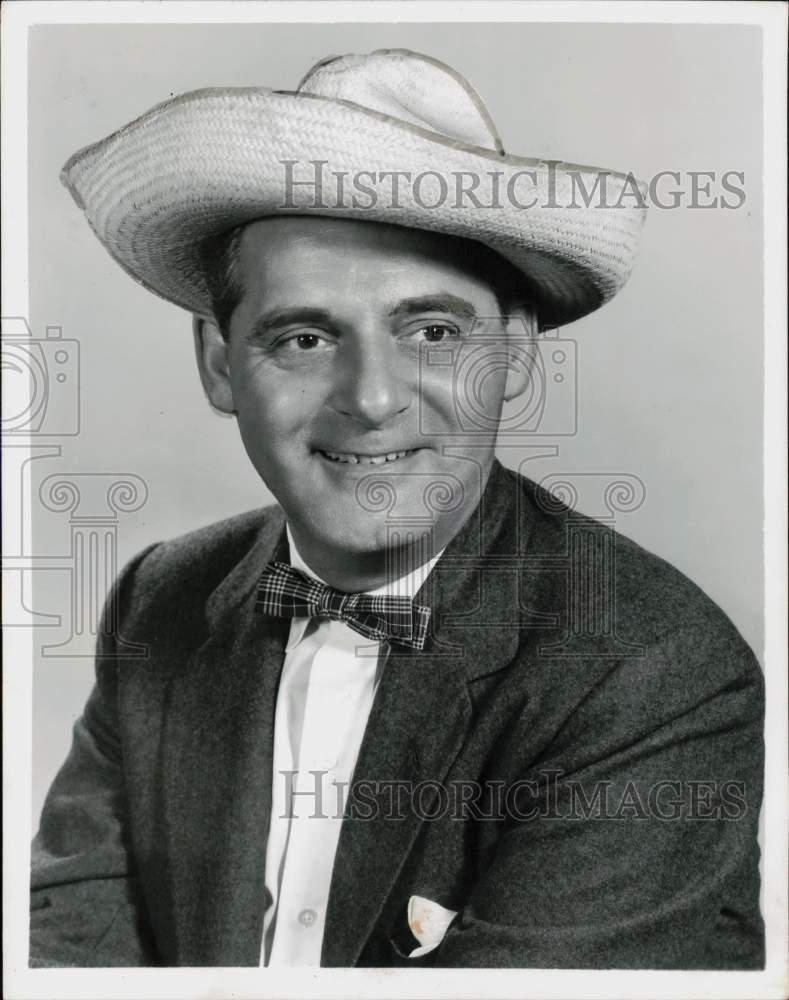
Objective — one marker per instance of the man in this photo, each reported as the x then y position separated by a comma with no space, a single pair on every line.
420,713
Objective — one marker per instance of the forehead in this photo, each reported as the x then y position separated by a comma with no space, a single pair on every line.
342,258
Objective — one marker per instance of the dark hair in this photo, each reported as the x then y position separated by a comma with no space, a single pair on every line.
219,256
220,261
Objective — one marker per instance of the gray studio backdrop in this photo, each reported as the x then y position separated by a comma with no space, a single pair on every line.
669,375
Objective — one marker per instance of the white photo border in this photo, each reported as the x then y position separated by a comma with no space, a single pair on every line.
772,982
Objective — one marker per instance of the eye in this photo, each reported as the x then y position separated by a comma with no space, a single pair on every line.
436,333
306,341
302,342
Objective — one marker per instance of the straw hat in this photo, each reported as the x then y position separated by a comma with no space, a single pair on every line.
212,159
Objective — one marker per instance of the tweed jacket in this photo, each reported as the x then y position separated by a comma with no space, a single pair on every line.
579,752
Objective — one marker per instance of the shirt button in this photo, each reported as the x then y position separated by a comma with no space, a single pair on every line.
307,918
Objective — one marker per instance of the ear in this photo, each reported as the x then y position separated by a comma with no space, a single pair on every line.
213,363
521,328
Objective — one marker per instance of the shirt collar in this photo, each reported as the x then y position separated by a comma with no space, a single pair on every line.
407,585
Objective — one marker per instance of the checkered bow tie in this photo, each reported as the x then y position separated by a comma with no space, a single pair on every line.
284,592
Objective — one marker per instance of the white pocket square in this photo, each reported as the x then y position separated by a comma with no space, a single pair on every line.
428,922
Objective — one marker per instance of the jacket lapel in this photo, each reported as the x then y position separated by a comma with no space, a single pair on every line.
422,716
217,763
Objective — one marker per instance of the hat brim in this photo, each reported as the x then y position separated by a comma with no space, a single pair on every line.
214,159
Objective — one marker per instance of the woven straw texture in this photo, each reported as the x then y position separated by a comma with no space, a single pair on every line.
212,159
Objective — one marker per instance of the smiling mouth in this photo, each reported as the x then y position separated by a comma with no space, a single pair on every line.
348,458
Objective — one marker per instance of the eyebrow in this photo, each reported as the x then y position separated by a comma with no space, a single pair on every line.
276,319
444,302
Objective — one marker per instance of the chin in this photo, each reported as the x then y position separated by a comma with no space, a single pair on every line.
366,537
371,535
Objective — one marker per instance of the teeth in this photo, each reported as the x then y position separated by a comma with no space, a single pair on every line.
391,456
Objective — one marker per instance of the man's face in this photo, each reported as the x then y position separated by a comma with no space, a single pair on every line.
367,368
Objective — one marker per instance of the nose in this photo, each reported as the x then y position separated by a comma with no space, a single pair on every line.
371,385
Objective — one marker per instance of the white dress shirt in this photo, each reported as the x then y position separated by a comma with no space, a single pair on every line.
326,691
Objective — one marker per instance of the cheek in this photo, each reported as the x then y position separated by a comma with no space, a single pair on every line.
282,404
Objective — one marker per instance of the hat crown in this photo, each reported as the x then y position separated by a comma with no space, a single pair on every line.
409,87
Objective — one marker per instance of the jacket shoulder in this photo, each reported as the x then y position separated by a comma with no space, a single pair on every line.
176,576
638,643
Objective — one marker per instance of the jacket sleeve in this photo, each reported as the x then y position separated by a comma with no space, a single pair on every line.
634,843
86,908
